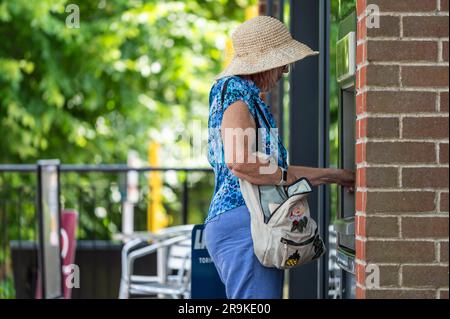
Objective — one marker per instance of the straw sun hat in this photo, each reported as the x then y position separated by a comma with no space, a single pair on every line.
261,44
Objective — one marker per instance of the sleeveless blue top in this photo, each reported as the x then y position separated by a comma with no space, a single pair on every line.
227,194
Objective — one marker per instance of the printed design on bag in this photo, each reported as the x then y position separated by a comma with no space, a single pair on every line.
293,259
298,220
318,247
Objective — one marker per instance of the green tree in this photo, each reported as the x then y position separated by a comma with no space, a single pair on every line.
132,71
92,93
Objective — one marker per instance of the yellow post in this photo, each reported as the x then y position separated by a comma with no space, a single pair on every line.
156,217
228,52
250,12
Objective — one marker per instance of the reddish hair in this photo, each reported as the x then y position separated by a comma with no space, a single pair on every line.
266,80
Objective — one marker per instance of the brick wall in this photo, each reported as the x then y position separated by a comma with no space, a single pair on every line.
402,149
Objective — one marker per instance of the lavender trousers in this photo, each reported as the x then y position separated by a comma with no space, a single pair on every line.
229,242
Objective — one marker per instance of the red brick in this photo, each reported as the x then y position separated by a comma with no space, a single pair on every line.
360,201
405,5
402,50
425,276
382,227
361,177
382,127
360,7
400,152
444,102
443,247
425,227
399,251
425,76
360,222
425,127
443,205
360,155
399,202
443,153
361,128
381,177
361,103
360,271
361,78
383,75
389,27
361,32
426,177
360,53
360,293
445,51
436,27
360,249
400,293
400,102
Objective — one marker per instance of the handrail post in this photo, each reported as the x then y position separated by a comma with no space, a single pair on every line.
185,199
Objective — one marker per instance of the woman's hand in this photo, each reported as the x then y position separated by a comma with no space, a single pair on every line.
320,176
346,178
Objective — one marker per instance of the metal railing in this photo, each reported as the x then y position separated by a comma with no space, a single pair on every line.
97,193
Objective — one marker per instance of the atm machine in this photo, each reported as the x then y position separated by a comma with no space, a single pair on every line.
345,221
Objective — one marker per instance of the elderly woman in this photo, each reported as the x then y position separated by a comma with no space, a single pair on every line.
264,49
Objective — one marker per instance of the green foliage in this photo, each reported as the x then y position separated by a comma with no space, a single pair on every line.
134,70
92,93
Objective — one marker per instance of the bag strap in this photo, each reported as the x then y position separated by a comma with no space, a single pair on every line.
224,90
258,110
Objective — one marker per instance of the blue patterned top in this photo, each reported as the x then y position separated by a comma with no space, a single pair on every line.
227,194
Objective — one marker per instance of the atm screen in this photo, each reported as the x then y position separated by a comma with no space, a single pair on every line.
348,119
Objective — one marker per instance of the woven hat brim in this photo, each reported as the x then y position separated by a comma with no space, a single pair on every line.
287,53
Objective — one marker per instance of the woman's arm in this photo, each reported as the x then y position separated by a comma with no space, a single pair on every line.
238,131
319,176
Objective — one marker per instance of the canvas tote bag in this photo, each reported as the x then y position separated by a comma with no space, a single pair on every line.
284,234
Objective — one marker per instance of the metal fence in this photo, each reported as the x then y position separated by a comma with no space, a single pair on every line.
97,193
